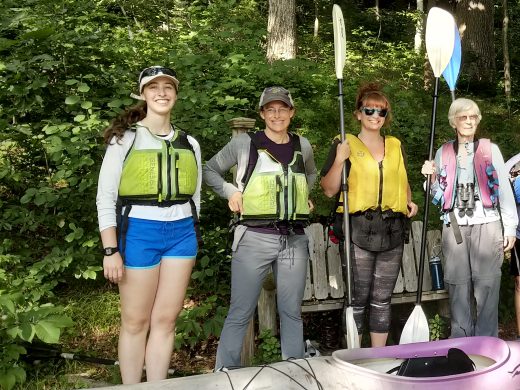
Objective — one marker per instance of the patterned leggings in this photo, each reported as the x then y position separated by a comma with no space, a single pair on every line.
375,274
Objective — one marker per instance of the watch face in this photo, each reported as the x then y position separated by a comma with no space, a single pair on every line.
109,251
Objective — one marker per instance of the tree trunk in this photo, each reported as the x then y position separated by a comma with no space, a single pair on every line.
507,64
419,27
475,20
316,20
281,30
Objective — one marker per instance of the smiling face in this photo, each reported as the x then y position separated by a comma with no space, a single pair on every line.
466,123
160,95
277,116
370,113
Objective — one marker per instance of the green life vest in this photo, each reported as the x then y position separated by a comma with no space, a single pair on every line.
275,191
158,172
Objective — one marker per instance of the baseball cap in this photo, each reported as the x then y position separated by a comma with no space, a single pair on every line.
272,94
151,73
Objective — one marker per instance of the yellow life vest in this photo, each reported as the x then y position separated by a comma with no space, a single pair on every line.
275,191
373,185
158,172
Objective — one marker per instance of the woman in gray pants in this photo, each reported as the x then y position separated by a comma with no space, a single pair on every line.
275,172
470,184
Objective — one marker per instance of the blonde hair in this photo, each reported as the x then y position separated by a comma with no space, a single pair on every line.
462,104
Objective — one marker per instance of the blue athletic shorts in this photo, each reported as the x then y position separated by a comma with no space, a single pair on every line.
148,242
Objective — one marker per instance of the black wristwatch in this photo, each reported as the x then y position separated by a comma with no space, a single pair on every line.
109,251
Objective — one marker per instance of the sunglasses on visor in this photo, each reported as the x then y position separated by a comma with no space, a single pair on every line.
155,70
370,111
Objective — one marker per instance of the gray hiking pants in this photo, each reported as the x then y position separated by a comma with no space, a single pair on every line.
473,269
253,254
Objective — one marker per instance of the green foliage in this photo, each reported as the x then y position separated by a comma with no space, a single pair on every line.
269,350
199,322
438,328
24,315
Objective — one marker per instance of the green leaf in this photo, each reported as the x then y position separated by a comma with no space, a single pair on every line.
71,82
7,380
83,87
115,103
79,118
73,99
27,332
47,332
86,105
6,302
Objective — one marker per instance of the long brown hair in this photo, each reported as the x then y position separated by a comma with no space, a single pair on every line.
373,91
124,121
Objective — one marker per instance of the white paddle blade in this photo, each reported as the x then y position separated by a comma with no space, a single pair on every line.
352,332
340,41
416,329
440,39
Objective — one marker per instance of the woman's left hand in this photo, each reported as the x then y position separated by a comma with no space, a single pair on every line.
509,243
412,209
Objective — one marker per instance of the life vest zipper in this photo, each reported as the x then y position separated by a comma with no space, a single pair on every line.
380,195
286,191
168,171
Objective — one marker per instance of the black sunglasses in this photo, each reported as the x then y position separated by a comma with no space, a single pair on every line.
370,111
155,70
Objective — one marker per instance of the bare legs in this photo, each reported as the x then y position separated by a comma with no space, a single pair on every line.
151,300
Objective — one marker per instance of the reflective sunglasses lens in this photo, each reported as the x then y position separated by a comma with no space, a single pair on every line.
157,70
370,111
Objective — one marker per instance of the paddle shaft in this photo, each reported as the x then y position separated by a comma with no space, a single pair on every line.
347,273
422,253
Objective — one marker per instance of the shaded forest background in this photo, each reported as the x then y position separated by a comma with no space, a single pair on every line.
67,67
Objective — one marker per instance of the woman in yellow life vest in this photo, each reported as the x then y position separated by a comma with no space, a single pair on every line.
149,188
379,201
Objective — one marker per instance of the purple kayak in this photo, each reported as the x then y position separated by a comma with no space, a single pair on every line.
497,365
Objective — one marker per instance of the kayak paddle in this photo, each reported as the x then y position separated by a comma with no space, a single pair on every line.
451,73
349,325
440,39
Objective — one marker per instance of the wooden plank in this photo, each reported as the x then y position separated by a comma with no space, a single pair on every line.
267,311
399,283
318,261
408,267
336,283
307,292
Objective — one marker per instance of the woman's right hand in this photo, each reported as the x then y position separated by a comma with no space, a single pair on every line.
342,152
428,168
113,267
235,203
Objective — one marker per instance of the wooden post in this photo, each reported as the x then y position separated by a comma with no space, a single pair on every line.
239,126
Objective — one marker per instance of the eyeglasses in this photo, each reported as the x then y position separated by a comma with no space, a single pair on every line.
281,111
382,112
464,118
155,70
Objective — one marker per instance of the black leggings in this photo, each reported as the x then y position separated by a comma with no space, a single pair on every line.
375,274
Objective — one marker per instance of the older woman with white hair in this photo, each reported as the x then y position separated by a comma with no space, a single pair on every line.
470,184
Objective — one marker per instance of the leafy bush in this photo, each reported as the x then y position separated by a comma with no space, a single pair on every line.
269,350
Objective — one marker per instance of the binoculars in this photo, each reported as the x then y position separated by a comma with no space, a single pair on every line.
465,199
